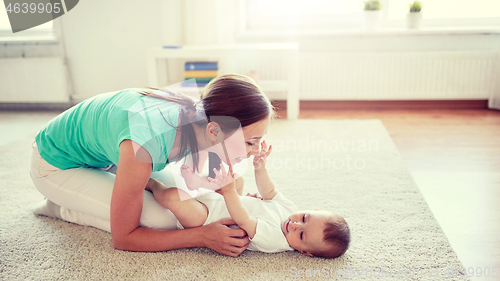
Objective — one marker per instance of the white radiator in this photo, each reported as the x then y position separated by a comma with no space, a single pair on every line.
33,80
387,76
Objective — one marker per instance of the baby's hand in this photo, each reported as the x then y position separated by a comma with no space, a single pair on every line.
259,160
255,195
222,179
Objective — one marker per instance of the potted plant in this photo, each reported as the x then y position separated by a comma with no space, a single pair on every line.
414,16
372,14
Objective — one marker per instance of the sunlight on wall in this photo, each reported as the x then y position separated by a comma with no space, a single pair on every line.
312,7
442,9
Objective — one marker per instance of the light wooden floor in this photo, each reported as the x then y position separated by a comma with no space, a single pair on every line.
454,157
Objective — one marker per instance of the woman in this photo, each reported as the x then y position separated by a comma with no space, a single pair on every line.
141,132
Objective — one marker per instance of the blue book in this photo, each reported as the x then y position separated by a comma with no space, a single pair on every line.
201,65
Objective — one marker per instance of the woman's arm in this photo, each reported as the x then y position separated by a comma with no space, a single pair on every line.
126,208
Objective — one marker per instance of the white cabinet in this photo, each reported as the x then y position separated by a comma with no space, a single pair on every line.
285,51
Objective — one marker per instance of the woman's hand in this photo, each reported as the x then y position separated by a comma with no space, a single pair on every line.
223,179
259,160
227,241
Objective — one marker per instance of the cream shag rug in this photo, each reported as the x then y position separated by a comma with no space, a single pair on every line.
351,167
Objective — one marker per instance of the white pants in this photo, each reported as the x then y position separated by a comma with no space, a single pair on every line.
84,194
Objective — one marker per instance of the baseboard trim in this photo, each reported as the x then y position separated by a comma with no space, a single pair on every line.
310,105
387,105
34,106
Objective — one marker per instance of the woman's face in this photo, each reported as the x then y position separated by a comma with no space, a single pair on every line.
243,143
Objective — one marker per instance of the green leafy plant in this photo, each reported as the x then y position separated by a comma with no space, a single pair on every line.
415,7
372,5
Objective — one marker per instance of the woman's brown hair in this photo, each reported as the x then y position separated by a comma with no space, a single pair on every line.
230,95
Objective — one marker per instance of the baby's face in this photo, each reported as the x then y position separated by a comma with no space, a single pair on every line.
304,230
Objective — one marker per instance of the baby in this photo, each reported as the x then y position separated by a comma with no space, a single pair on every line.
272,222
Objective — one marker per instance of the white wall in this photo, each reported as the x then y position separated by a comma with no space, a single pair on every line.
394,65
106,42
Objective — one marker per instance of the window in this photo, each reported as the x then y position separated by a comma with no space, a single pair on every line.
311,7
302,15
348,14
448,9
43,30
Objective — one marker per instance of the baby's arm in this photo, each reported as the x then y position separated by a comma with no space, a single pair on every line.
238,212
264,183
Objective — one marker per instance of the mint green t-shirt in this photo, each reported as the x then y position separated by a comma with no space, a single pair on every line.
89,134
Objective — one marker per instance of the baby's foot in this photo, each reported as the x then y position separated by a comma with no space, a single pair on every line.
193,180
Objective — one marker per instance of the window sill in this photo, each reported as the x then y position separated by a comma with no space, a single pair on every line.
29,40
381,32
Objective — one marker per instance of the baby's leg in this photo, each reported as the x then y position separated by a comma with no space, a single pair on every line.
188,211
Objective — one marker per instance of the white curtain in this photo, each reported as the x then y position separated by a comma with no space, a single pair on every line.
209,22
494,101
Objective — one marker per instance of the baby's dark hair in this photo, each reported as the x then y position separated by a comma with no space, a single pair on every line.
337,235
